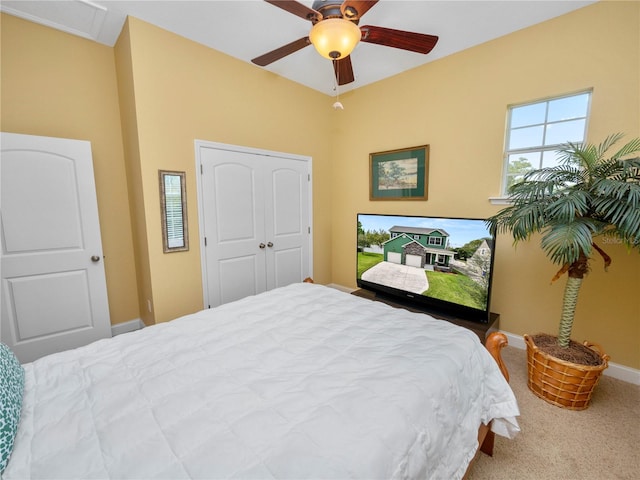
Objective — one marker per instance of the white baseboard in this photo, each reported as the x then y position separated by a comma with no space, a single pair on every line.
615,370
124,327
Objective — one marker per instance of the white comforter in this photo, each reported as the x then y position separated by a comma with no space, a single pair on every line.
301,382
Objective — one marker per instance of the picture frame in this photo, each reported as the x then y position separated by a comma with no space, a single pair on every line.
401,174
173,210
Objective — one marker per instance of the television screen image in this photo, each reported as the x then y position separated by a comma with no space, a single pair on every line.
445,264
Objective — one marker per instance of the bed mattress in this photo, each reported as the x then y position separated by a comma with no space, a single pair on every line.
300,382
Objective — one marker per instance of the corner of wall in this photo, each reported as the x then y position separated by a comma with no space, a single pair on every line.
126,94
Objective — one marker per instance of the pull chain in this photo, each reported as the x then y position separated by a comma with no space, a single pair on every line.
337,105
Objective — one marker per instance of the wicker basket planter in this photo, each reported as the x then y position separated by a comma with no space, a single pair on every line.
561,383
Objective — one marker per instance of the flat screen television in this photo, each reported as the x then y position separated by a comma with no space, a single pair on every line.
444,265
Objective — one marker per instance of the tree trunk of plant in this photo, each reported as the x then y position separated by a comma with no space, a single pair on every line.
577,271
568,310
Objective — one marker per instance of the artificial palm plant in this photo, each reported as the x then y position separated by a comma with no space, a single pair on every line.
591,193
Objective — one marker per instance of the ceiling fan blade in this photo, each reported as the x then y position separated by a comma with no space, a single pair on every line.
343,70
355,9
278,53
297,8
414,42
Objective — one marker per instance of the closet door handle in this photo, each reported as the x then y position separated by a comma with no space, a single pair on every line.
262,245
269,244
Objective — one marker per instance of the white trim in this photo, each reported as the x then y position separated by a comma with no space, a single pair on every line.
198,145
500,201
615,370
126,327
93,14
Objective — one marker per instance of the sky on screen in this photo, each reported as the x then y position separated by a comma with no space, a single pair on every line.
461,231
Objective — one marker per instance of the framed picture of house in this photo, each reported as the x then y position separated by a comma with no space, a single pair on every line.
399,174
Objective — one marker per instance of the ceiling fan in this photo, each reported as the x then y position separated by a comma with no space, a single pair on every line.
335,33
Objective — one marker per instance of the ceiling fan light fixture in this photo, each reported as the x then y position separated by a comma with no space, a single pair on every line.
335,38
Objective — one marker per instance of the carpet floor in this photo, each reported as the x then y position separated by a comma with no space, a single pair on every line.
601,442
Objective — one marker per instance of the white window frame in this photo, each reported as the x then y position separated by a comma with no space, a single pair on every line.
436,241
540,149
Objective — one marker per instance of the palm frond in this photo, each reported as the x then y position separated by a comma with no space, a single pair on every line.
521,221
627,149
631,168
611,168
575,203
617,189
564,242
529,219
617,213
607,143
586,195
559,175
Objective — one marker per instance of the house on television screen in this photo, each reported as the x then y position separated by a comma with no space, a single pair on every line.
418,247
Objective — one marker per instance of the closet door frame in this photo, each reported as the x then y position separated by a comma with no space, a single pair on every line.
199,145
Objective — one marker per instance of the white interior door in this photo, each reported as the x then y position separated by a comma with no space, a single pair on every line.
233,226
54,294
255,217
286,221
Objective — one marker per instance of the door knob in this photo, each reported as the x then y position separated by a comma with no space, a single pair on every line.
95,258
261,245
269,244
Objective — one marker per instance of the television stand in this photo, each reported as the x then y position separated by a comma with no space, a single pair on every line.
481,329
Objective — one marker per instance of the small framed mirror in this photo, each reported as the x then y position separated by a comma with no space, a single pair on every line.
173,209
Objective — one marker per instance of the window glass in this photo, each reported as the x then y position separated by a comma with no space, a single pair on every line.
568,107
559,133
535,131
550,159
519,164
528,115
526,137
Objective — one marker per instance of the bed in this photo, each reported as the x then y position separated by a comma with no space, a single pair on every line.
304,381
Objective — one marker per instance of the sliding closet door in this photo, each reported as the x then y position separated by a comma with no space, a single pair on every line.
254,213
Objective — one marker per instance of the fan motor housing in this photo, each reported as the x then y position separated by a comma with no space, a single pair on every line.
331,9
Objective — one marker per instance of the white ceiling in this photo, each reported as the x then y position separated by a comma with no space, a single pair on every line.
246,29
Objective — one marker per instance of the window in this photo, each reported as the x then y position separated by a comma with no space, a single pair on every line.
416,237
435,240
535,131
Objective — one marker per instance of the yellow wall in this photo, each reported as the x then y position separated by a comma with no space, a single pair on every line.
59,85
124,69
458,106
172,91
181,91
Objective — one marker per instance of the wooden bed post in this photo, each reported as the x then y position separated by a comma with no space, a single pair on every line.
494,343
